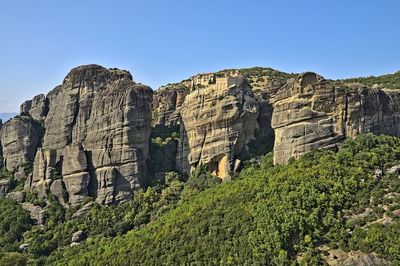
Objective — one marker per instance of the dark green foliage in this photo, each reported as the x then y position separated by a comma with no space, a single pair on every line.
14,222
104,222
13,259
390,81
165,132
162,150
266,216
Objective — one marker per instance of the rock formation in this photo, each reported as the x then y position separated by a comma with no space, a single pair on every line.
310,112
37,108
167,103
20,137
97,127
5,186
89,137
217,123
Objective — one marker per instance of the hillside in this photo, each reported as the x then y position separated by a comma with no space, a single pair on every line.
241,166
389,81
322,204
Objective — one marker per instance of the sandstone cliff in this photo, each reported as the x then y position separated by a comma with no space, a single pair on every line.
20,137
310,112
89,137
97,127
167,104
217,123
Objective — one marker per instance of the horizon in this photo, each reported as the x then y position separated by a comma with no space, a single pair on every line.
162,43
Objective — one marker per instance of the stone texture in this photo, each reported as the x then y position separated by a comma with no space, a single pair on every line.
20,137
78,236
5,186
217,123
37,108
82,212
57,188
336,257
36,212
167,103
97,120
310,112
20,174
43,172
18,196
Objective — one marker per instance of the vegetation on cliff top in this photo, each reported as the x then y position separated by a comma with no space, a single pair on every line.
389,81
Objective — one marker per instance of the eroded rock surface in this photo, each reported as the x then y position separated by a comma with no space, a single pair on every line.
20,137
167,104
96,139
37,108
310,112
217,123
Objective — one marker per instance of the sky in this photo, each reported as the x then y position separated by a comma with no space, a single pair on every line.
163,41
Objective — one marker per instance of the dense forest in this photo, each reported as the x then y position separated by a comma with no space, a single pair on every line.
279,215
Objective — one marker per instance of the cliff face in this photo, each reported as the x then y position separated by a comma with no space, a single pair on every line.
310,112
20,137
90,135
97,127
167,104
217,123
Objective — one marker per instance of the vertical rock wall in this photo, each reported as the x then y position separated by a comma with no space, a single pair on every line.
97,127
217,123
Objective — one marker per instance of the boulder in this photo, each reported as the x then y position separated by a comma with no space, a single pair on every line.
23,247
78,236
394,170
36,212
82,212
18,196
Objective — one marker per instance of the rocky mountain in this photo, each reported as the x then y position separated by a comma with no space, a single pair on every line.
100,138
89,137
297,112
91,133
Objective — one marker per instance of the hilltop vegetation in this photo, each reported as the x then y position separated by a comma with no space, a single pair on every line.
271,215
389,81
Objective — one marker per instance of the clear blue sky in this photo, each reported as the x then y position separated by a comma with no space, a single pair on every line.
168,40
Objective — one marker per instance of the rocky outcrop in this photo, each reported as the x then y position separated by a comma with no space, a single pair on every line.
167,104
36,213
37,108
351,258
310,112
5,187
82,212
217,123
17,196
20,137
96,138
78,236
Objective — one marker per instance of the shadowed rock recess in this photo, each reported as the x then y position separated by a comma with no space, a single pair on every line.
89,137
